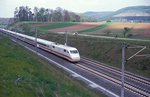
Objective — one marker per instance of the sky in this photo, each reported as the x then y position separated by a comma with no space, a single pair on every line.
7,7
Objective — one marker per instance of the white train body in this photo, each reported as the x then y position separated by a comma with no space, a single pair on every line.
67,52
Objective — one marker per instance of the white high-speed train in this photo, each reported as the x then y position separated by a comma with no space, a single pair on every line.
67,52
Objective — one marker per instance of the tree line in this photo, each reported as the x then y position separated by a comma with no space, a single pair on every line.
24,13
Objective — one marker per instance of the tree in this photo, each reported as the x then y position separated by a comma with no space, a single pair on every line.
74,17
21,14
42,14
51,12
126,30
66,15
27,12
58,14
77,18
24,13
108,21
35,13
30,16
16,17
48,14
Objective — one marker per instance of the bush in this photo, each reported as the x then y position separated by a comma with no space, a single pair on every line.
126,30
108,21
129,35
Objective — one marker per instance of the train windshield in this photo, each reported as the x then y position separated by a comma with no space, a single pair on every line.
73,51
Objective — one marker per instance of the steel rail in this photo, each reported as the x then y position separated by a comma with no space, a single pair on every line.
130,75
128,86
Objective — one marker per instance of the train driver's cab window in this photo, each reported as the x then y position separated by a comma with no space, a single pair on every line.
73,51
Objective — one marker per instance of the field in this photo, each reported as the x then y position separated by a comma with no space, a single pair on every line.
48,26
111,29
101,26
141,29
22,74
65,26
76,28
136,30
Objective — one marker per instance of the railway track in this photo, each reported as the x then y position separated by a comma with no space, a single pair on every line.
133,83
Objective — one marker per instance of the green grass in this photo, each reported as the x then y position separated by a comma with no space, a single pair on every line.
57,25
96,28
22,74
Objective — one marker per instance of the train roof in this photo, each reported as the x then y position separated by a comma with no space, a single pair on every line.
55,44
38,39
26,36
46,42
64,46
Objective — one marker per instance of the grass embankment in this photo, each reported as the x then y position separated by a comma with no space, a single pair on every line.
22,74
95,28
57,25
107,51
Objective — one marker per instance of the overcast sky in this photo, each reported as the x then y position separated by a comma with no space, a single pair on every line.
7,7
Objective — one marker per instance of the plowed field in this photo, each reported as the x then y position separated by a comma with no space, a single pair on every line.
113,28
120,25
141,29
75,28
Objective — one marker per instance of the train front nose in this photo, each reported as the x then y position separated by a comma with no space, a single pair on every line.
76,57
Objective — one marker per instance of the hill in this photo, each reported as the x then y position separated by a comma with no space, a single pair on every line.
99,15
134,13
